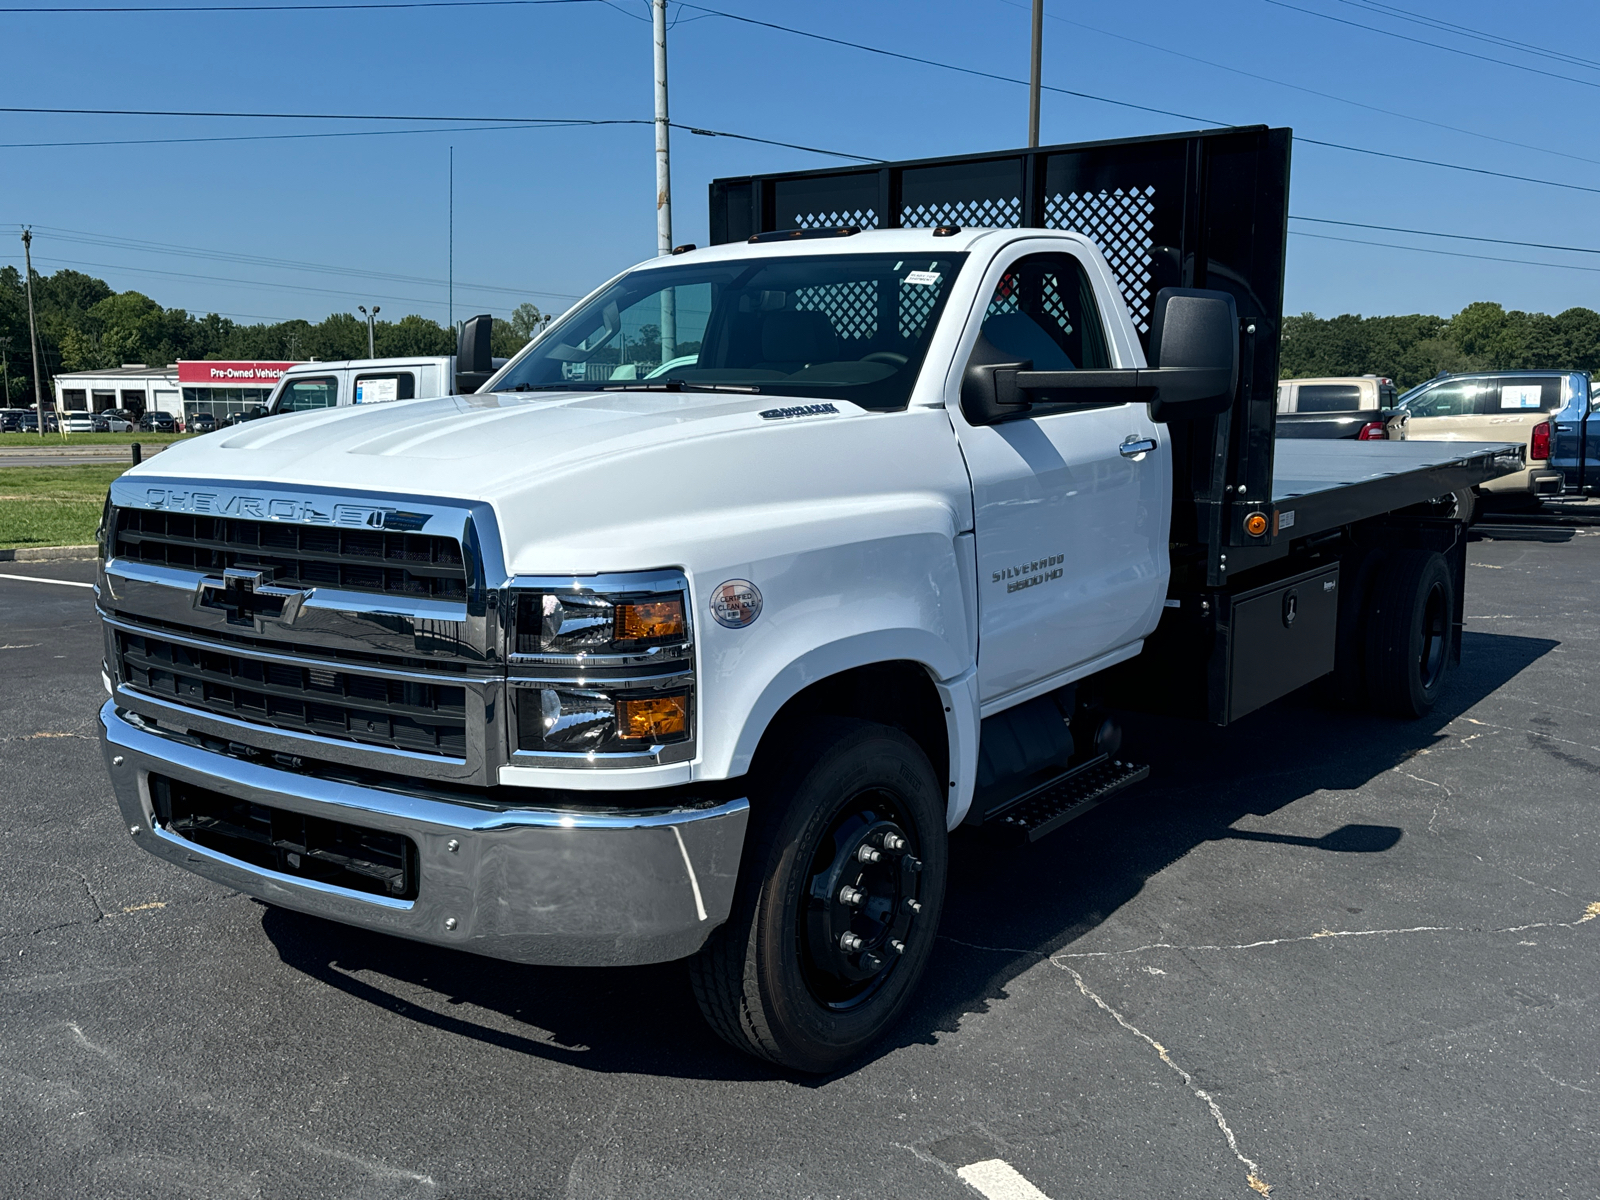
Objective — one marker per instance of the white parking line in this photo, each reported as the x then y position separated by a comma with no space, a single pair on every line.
999,1180
39,579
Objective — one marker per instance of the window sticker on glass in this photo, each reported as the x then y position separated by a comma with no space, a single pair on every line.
923,277
379,391
1519,395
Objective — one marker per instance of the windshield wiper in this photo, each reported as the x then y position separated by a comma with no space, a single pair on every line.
672,384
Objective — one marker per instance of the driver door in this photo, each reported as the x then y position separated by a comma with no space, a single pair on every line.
1072,508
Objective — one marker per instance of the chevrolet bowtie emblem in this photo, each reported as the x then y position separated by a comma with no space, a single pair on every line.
245,594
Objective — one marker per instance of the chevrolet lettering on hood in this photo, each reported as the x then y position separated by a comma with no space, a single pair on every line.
280,508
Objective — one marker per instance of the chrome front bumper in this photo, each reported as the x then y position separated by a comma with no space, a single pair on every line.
535,886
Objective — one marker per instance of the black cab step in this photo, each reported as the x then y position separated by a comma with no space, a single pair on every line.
1051,806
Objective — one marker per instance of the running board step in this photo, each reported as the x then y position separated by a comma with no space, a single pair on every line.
1053,805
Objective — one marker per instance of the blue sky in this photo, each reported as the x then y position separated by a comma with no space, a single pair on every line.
545,214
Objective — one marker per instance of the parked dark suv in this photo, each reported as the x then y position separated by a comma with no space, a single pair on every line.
202,423
158,422
10,420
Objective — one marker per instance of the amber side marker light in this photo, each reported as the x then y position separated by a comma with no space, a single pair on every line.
649,620
657,718
1255,524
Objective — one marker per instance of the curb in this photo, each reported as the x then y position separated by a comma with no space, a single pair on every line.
48,553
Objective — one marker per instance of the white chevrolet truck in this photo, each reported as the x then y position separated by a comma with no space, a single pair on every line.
697,630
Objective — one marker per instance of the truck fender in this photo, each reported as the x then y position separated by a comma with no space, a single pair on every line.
957,693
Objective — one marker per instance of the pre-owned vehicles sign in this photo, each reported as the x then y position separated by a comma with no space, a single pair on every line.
234,374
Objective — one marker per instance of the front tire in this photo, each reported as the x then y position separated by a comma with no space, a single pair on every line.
838,903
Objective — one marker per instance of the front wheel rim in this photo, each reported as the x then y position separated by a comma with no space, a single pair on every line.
862,898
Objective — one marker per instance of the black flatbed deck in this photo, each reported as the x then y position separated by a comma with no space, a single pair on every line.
1319,485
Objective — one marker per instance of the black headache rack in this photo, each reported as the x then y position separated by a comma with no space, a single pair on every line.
1207,209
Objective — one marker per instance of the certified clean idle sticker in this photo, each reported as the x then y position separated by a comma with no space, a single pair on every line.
736,603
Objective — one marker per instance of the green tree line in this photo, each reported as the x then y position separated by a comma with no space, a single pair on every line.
84,325
1412,349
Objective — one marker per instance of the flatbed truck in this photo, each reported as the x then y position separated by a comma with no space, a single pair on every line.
699,627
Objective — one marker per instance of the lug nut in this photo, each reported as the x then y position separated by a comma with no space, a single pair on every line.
911,864
851,942
868,854
911,906
872,962
452,845
450,923
897,945
854,897
116,761
893,843
134,829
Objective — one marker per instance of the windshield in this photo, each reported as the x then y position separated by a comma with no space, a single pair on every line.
841,326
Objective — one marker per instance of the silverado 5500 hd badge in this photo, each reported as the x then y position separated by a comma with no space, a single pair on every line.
1030,574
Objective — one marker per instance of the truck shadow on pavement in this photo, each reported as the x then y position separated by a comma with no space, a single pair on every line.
1026,901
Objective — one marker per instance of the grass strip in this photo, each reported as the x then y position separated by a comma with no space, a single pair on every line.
52,506
55,441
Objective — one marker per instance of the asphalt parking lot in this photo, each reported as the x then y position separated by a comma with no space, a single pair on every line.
1317,954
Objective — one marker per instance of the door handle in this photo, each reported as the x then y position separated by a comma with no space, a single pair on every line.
1133,446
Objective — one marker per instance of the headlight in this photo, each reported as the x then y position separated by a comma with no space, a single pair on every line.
582,623
602,671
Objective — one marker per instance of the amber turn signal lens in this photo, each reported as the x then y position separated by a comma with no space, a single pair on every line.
657,718
1255,524
650,620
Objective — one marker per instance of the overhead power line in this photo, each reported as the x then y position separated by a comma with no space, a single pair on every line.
944,66
1433,162
1526,262
1165,112
508,122
1459,237
237,8
1232,70
555,122
259,285
274,137
1466,31
144,246
1406,37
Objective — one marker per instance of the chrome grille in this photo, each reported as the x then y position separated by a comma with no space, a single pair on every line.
296,556
324,700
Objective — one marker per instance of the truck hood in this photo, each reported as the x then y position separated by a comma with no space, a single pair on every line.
423,445
606,480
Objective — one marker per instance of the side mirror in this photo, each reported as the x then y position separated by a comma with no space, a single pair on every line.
989,391
1195,335
473,362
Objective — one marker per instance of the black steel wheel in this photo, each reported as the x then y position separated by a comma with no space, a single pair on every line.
1410,632
839,896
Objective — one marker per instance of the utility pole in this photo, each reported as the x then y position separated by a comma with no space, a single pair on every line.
33,337
669,300
371,317
452,284
5,372
1033,79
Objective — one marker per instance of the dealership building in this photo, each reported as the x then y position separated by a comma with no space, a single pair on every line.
184,389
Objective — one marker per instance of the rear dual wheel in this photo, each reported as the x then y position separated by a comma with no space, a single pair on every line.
838,902
1409,632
